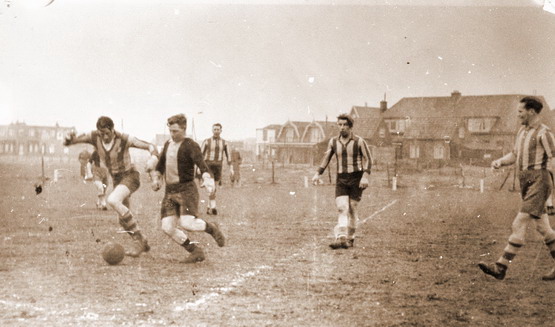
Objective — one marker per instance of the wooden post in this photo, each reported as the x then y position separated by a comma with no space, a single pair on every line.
273,173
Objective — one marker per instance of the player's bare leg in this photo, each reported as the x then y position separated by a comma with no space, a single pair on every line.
211,210
192,223
116,200
353,221
101,188
515,243
544,228
178,236
340,230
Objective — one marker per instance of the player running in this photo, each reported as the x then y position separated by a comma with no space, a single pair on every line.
113,150
180,203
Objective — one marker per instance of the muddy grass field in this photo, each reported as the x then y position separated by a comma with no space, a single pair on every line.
413,264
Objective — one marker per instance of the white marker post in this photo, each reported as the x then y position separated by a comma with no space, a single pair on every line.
305,181
482,185
394,182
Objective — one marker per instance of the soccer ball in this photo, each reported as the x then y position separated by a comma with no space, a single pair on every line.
113,253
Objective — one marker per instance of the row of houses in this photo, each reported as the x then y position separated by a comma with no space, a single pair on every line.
20,139
415,130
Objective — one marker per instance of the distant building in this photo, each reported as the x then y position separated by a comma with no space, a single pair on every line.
456,127
264,137
25,140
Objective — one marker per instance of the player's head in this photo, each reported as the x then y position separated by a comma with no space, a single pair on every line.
177,125
345,123
528,107
217,129
105,127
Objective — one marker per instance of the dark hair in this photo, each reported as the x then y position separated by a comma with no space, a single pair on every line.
218,124
348,118
532,103
105,122
178,119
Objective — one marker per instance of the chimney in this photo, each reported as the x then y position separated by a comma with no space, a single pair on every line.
383,104
456,95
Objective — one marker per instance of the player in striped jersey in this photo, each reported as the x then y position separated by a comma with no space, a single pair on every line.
113,150
214,149
180,203
354,163
533,153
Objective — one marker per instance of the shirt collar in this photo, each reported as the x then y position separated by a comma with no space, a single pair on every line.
351,137
535,123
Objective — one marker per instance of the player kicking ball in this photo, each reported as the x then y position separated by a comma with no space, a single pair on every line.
113,150
179,210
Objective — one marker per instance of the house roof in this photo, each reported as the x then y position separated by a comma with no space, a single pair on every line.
273,126
501,106
432,128
298,126
366,127
365,112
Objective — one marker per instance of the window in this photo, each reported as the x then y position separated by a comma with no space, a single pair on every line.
31,132
51,149
439,151
289,135
397,126
271,136
60,136
314,135
461,132
414,151
481,125
381,132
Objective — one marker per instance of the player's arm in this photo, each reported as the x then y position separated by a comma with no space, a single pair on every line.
207,180
506,160
325,162
158,169
72,138
366,163
151,148
228,159
140,144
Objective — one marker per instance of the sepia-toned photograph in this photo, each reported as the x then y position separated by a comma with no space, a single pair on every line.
382,163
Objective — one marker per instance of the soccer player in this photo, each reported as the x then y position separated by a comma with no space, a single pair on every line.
354,163
236,161
113,150
213,150
99,175
84,157
533,150
180,203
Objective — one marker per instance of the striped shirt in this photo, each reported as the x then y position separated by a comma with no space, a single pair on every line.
214,150
354,156
534,147
116,158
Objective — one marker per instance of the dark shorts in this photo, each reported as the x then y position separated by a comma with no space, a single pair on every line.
215,169
180,199
348,184
131,179
236,173
535,188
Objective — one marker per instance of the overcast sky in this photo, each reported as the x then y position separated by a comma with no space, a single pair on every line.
247,64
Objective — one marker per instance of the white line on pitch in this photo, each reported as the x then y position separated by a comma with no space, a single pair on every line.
244,277
377,212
